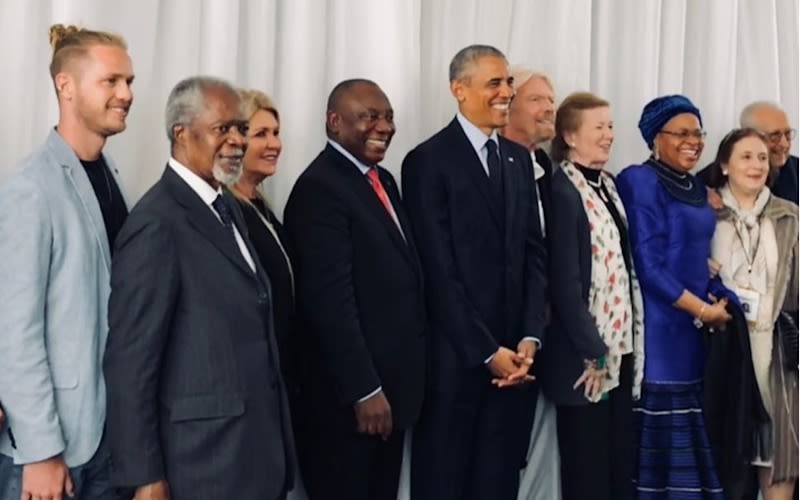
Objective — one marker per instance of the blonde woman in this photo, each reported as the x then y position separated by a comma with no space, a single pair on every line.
265,231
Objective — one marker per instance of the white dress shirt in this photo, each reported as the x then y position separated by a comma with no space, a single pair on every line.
478,139
538,173
208,194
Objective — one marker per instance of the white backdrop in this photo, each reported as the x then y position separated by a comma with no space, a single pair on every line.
721,53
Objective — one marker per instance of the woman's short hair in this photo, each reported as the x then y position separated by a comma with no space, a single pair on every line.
568,119
715,177
255,100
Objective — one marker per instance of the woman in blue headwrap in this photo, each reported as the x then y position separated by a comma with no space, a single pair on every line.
671,226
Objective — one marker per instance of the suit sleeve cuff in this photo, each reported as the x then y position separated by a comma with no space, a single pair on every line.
376,391
535,341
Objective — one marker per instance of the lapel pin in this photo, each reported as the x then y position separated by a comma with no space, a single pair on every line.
511,159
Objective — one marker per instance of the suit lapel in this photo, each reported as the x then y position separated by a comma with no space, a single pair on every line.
510,182
241,225
391,191
363,189
112,167
203,220
465,155
79,181
409,246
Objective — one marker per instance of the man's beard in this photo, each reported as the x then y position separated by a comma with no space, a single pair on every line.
225,175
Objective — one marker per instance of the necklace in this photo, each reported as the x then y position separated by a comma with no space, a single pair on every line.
677,180
599,189
680,186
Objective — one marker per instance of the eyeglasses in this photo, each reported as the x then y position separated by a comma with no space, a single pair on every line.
776,135
685,135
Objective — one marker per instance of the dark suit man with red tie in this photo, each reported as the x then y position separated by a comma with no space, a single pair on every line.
360,304
473,206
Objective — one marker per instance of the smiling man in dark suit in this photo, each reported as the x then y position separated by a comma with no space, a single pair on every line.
197,409
360,303
472,202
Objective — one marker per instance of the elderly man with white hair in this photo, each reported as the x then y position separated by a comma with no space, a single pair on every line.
531,123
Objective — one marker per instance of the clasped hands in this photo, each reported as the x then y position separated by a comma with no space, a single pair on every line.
511,368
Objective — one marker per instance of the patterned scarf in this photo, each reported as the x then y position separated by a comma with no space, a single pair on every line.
748,229
615,299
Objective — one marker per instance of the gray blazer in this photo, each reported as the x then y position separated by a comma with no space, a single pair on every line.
54,270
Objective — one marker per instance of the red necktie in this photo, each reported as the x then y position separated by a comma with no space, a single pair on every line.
375,181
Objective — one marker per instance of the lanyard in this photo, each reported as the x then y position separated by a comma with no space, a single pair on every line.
750,258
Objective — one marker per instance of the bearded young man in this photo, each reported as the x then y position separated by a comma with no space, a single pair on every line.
60,212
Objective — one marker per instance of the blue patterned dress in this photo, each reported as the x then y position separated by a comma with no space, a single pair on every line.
671,227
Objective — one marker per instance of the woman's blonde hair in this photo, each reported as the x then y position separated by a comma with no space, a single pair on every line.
70,42
252,101
255,100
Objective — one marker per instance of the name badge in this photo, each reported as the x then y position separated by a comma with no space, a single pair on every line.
749,299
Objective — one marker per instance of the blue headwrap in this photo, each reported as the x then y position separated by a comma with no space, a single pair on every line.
660,110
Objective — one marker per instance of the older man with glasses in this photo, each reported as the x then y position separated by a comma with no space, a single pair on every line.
769,119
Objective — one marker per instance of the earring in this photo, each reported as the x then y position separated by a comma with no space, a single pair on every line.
656,154
724,172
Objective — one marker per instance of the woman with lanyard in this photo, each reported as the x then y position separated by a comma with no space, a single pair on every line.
671,226
755,248
592,366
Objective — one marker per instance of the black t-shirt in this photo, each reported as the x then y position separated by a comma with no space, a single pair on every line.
108,195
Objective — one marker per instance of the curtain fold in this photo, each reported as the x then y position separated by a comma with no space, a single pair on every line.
721,53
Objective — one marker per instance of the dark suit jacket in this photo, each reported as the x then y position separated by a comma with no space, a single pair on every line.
484,263
787,183
278,270
194,388
360,293
572,335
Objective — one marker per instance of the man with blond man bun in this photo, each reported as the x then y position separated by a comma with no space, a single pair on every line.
59,214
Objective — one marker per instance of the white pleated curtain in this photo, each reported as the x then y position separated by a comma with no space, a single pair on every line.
721,53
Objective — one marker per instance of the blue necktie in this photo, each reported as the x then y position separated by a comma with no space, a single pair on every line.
495,170
224,211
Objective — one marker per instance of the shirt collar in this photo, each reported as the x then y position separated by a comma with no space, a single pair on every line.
475,135
203,189
538,170
338,147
